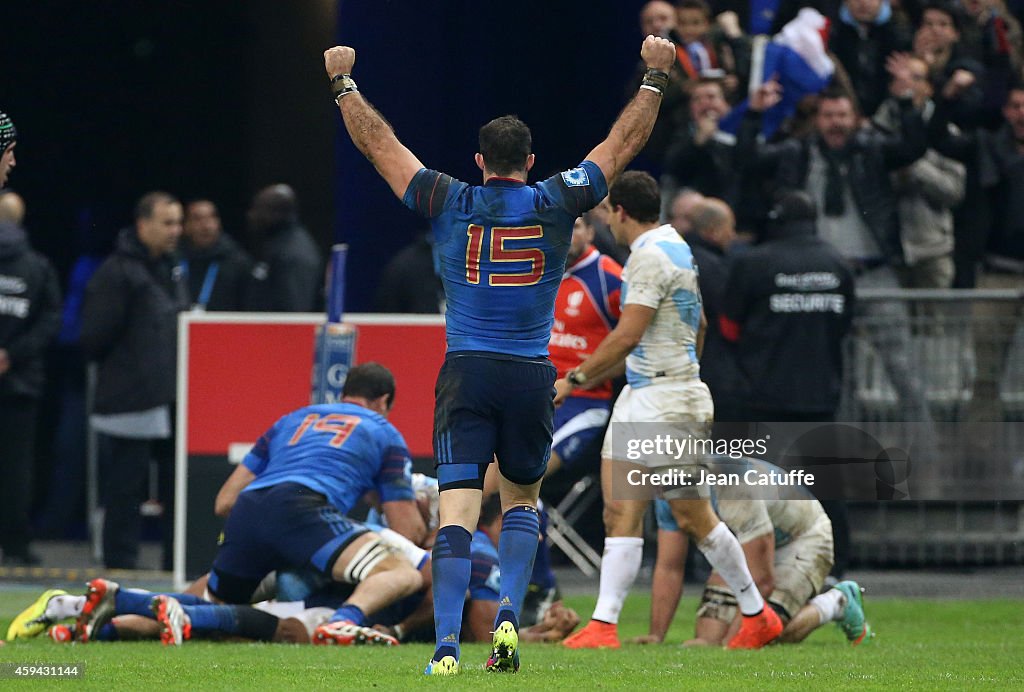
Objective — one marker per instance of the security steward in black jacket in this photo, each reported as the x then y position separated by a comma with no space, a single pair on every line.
30,310
788,305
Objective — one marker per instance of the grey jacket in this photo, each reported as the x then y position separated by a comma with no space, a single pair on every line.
926,193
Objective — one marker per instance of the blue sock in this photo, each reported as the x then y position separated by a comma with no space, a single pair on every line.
349,612
135,602
517,549
107,633
542,576
209,617
186,599
451,567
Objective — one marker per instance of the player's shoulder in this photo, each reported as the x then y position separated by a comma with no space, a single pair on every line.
432,192
647,253
431,177
667,246
586,173
297,414
583,184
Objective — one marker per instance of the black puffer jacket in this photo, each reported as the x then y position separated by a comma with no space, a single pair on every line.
872,156
232,275
29,312
289,273
130,325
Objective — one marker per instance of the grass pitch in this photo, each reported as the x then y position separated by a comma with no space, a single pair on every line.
920,644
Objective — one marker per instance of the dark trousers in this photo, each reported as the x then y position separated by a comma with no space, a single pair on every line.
124,483
17,438
65,496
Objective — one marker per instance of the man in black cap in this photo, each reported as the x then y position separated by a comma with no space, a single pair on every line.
29,319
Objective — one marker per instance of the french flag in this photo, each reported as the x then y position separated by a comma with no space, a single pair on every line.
796,57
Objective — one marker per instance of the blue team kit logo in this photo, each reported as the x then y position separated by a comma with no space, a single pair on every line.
577,177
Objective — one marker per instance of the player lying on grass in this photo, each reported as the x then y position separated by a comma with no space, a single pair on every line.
174,618
787,541
294,490
124,613
109,612
139,614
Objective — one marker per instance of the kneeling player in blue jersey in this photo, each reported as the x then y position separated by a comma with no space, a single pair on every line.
502,248
298,483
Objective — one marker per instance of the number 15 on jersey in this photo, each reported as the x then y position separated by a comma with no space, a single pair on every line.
497,253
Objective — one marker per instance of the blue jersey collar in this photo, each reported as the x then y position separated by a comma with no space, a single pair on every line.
503,182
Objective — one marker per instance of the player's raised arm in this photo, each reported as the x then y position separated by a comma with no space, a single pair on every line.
369,131
633,126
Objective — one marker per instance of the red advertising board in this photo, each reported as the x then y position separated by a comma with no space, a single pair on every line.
242,374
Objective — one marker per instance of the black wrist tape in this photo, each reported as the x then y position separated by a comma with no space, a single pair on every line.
342,85
655,79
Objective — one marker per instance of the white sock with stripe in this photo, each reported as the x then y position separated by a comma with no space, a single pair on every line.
724,553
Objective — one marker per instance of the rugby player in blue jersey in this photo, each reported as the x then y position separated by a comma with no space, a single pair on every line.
502,248
294,489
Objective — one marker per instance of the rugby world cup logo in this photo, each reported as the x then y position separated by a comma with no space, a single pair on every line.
573,303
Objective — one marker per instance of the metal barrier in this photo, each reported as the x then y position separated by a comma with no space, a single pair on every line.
952,363
944,335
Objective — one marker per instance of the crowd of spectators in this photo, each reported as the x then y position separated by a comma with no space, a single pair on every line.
907,148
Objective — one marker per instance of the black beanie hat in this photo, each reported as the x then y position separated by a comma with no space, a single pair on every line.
7,132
